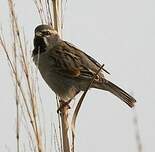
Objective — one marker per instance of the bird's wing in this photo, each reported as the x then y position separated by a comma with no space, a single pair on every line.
71,62
89,57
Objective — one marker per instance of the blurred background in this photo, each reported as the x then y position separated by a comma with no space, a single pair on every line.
121,35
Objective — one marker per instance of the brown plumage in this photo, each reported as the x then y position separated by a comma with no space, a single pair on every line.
68,70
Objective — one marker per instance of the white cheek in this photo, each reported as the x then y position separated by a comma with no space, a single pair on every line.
46,41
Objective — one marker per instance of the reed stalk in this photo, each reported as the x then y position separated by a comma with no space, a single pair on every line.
57,10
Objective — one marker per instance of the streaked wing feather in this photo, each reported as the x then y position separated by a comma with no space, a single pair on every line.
72,62
89,57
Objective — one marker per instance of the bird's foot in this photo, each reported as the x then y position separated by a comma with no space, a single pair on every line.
63,104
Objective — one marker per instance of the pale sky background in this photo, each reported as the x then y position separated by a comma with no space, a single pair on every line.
118,33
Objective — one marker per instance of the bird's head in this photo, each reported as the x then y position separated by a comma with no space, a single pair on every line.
45,36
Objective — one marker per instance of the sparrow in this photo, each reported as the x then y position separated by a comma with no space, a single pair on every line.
68,70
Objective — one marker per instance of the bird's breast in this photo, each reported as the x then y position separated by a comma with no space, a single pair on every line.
61,85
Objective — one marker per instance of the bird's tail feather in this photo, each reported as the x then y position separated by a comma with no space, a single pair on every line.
117,91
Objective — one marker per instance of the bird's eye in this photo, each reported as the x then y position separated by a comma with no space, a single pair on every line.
46,33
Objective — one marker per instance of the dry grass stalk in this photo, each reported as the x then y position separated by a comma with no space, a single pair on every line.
60,127
39,5
65,127
16,91
75,114
53,10
26,96
137,132
57,22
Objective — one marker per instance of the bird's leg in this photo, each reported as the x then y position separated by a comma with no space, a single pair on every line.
63,104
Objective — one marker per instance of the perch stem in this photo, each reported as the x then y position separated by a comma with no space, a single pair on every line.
64,122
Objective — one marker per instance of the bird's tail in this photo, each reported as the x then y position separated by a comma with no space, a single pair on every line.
117,91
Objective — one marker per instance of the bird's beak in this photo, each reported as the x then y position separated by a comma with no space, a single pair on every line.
38,34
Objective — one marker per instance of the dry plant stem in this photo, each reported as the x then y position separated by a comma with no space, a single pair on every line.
37,130
64,110
55,14
17,41
23,95
137,132
59,123
16,85
56,11
39,6
48,11
64,122
17,107
75,114
17,123
17,80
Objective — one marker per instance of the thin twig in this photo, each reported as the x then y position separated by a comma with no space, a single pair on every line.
137,132
65,126
60,127
20,45
75,114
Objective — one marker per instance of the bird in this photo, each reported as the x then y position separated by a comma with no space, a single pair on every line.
67,69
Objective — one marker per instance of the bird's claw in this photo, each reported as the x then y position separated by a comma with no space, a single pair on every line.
63,105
